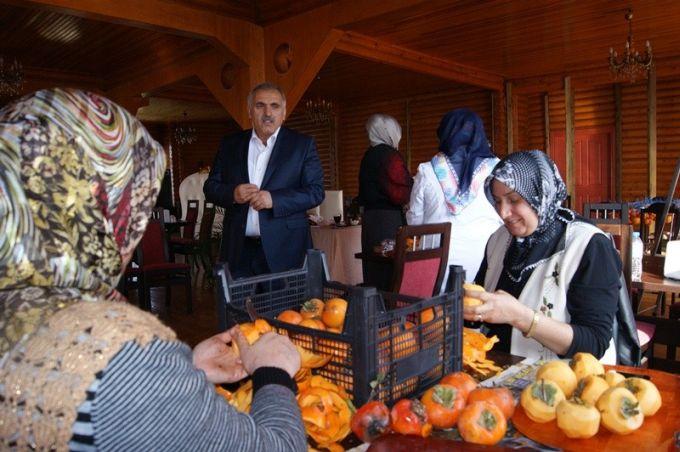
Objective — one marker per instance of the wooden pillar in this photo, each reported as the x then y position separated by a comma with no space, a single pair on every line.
569,137
493,101
509,117
546,124
408,135
651,132
618,142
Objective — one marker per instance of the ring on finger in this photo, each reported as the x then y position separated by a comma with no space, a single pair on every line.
479,317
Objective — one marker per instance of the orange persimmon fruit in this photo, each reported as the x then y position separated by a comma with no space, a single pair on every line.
334,311
443,404
290,316
462,381
482,423
501,397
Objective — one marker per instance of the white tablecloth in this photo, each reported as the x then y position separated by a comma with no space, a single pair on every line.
340,245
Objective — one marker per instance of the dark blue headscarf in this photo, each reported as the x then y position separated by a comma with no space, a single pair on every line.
463,141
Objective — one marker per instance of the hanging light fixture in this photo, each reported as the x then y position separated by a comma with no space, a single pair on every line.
631,64
184,133
11,78
319,111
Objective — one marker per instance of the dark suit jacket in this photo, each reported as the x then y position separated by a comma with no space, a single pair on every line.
294,178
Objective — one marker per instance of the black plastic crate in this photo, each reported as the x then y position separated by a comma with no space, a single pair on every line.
383,333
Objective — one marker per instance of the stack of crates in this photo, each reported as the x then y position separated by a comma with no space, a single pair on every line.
398,345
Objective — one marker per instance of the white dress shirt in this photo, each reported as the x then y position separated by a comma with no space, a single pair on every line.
258,159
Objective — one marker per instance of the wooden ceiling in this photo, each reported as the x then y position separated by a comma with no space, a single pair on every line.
529,38
516,39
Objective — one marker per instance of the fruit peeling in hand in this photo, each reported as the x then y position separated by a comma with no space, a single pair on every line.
475,346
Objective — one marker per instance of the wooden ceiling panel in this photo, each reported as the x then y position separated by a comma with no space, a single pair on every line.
531,37
46,39
344,78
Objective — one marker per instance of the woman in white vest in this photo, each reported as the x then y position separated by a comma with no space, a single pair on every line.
551,278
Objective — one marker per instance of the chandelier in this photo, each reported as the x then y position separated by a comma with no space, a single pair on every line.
184,133
319,111
631,64
11,78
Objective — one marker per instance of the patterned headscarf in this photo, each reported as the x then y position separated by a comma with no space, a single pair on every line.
464,153
535,177
78,179
383,129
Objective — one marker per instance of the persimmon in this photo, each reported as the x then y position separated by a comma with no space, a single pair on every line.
462,381
290,316
426,315
501,397
470,300
314,324
371,421
409,417
482,423
443,404
334,311
312,309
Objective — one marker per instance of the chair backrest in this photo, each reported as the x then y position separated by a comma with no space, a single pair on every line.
607,212
153,249
207,219
657,209
191,218
622,235
420,256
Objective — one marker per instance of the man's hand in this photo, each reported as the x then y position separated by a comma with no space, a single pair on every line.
261,200
244,193
270,350
218,360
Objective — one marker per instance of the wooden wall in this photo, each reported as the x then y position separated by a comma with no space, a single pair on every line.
595,108
419,118
188,158
325,143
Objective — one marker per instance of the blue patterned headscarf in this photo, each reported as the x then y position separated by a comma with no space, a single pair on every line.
535,177
463,140
464,159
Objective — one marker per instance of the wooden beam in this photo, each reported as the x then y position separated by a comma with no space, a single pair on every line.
207,66
309,51
509,117
569,139
363,46
546,125
618,142
651,131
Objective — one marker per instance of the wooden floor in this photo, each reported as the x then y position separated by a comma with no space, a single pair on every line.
190,328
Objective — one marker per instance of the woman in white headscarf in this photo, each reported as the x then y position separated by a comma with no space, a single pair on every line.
384,188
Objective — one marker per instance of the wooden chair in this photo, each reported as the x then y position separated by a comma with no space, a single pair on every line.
666,334
155,268
420,256
621,235
197,250
607,212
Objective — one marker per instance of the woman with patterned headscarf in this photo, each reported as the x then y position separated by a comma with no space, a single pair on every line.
384,189
78,180
449,188
551,278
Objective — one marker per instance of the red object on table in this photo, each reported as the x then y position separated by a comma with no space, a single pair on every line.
657,432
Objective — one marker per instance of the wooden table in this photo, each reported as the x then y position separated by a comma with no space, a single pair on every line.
654,283
340,244
657,432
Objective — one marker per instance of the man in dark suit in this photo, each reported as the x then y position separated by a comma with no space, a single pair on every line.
266,179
